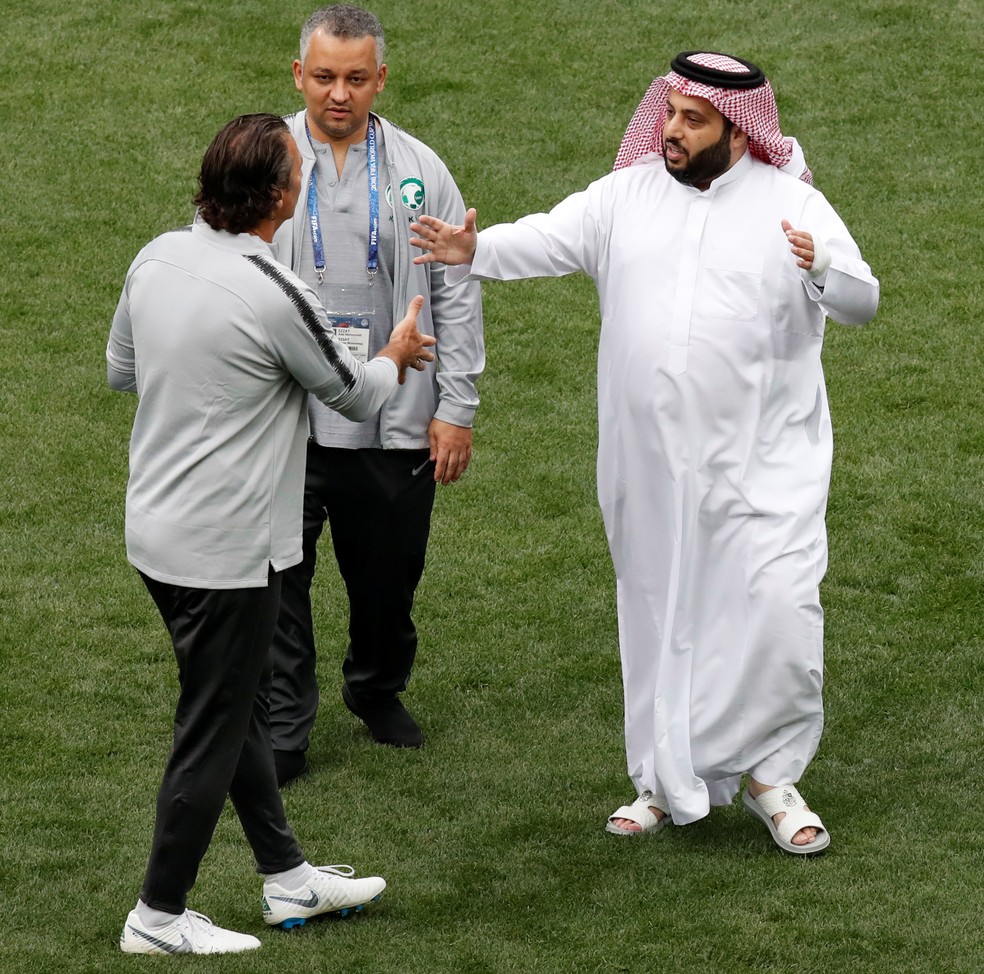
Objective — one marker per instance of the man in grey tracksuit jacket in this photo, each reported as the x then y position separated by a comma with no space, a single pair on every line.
221,343
366,479
452,315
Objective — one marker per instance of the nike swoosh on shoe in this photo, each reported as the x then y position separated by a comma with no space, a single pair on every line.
308,904
182,948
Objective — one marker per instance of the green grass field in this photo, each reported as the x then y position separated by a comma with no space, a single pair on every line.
491,837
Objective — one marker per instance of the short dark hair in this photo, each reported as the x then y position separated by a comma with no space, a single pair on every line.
243,173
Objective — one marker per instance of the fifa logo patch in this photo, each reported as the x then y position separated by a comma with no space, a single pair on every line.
412,192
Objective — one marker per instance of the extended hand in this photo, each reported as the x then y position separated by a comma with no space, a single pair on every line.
407,347
445,242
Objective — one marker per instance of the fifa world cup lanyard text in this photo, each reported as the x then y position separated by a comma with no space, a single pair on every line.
372,163
352,325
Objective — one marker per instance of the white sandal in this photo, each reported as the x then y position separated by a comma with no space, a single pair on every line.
639,813
789,801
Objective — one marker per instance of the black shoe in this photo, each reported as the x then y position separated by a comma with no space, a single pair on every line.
389,722
291,765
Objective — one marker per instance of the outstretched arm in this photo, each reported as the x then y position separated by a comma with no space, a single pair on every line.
571,237
326,368
445,242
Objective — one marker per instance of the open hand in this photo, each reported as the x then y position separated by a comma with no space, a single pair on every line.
407,347
445,242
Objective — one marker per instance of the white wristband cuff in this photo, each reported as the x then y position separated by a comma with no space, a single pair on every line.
821,260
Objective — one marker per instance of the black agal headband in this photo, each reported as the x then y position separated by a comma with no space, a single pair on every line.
714,77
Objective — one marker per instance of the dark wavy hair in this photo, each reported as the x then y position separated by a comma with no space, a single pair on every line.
243,173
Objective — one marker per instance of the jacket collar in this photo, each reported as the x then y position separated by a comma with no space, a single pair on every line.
239,243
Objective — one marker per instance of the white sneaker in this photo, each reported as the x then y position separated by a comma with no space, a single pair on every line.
188,933
329,889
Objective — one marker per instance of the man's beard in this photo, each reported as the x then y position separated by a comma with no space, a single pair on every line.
708,164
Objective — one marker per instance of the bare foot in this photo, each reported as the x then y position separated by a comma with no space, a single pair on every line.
804,836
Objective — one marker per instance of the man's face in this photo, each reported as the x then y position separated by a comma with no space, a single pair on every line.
339,80
698,144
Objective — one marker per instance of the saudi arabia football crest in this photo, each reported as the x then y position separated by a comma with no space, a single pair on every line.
412,192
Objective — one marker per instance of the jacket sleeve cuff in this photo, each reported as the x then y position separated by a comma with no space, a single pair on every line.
449,412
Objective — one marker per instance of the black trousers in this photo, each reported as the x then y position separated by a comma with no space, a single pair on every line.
221,741
378,504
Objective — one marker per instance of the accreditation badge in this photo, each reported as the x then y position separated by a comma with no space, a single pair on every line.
351,313
353,331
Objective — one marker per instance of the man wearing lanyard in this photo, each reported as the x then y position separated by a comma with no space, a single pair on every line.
364,181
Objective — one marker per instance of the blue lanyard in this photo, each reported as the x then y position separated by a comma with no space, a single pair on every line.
372,162
317,242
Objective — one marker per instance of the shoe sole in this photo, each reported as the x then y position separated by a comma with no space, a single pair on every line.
345,911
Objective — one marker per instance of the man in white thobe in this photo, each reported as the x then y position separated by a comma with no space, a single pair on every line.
716,269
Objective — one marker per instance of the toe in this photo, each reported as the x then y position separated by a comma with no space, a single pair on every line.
805,836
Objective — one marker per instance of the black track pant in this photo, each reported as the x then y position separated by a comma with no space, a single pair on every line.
221,743
378,504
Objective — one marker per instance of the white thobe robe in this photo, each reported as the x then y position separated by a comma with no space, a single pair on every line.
714,456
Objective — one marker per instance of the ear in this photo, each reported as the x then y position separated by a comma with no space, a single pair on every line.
381,78
298,75
739,140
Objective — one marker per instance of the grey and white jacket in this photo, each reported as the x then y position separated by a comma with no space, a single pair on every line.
222,344
446,389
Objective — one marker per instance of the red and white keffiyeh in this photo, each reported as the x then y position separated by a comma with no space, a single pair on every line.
750,104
